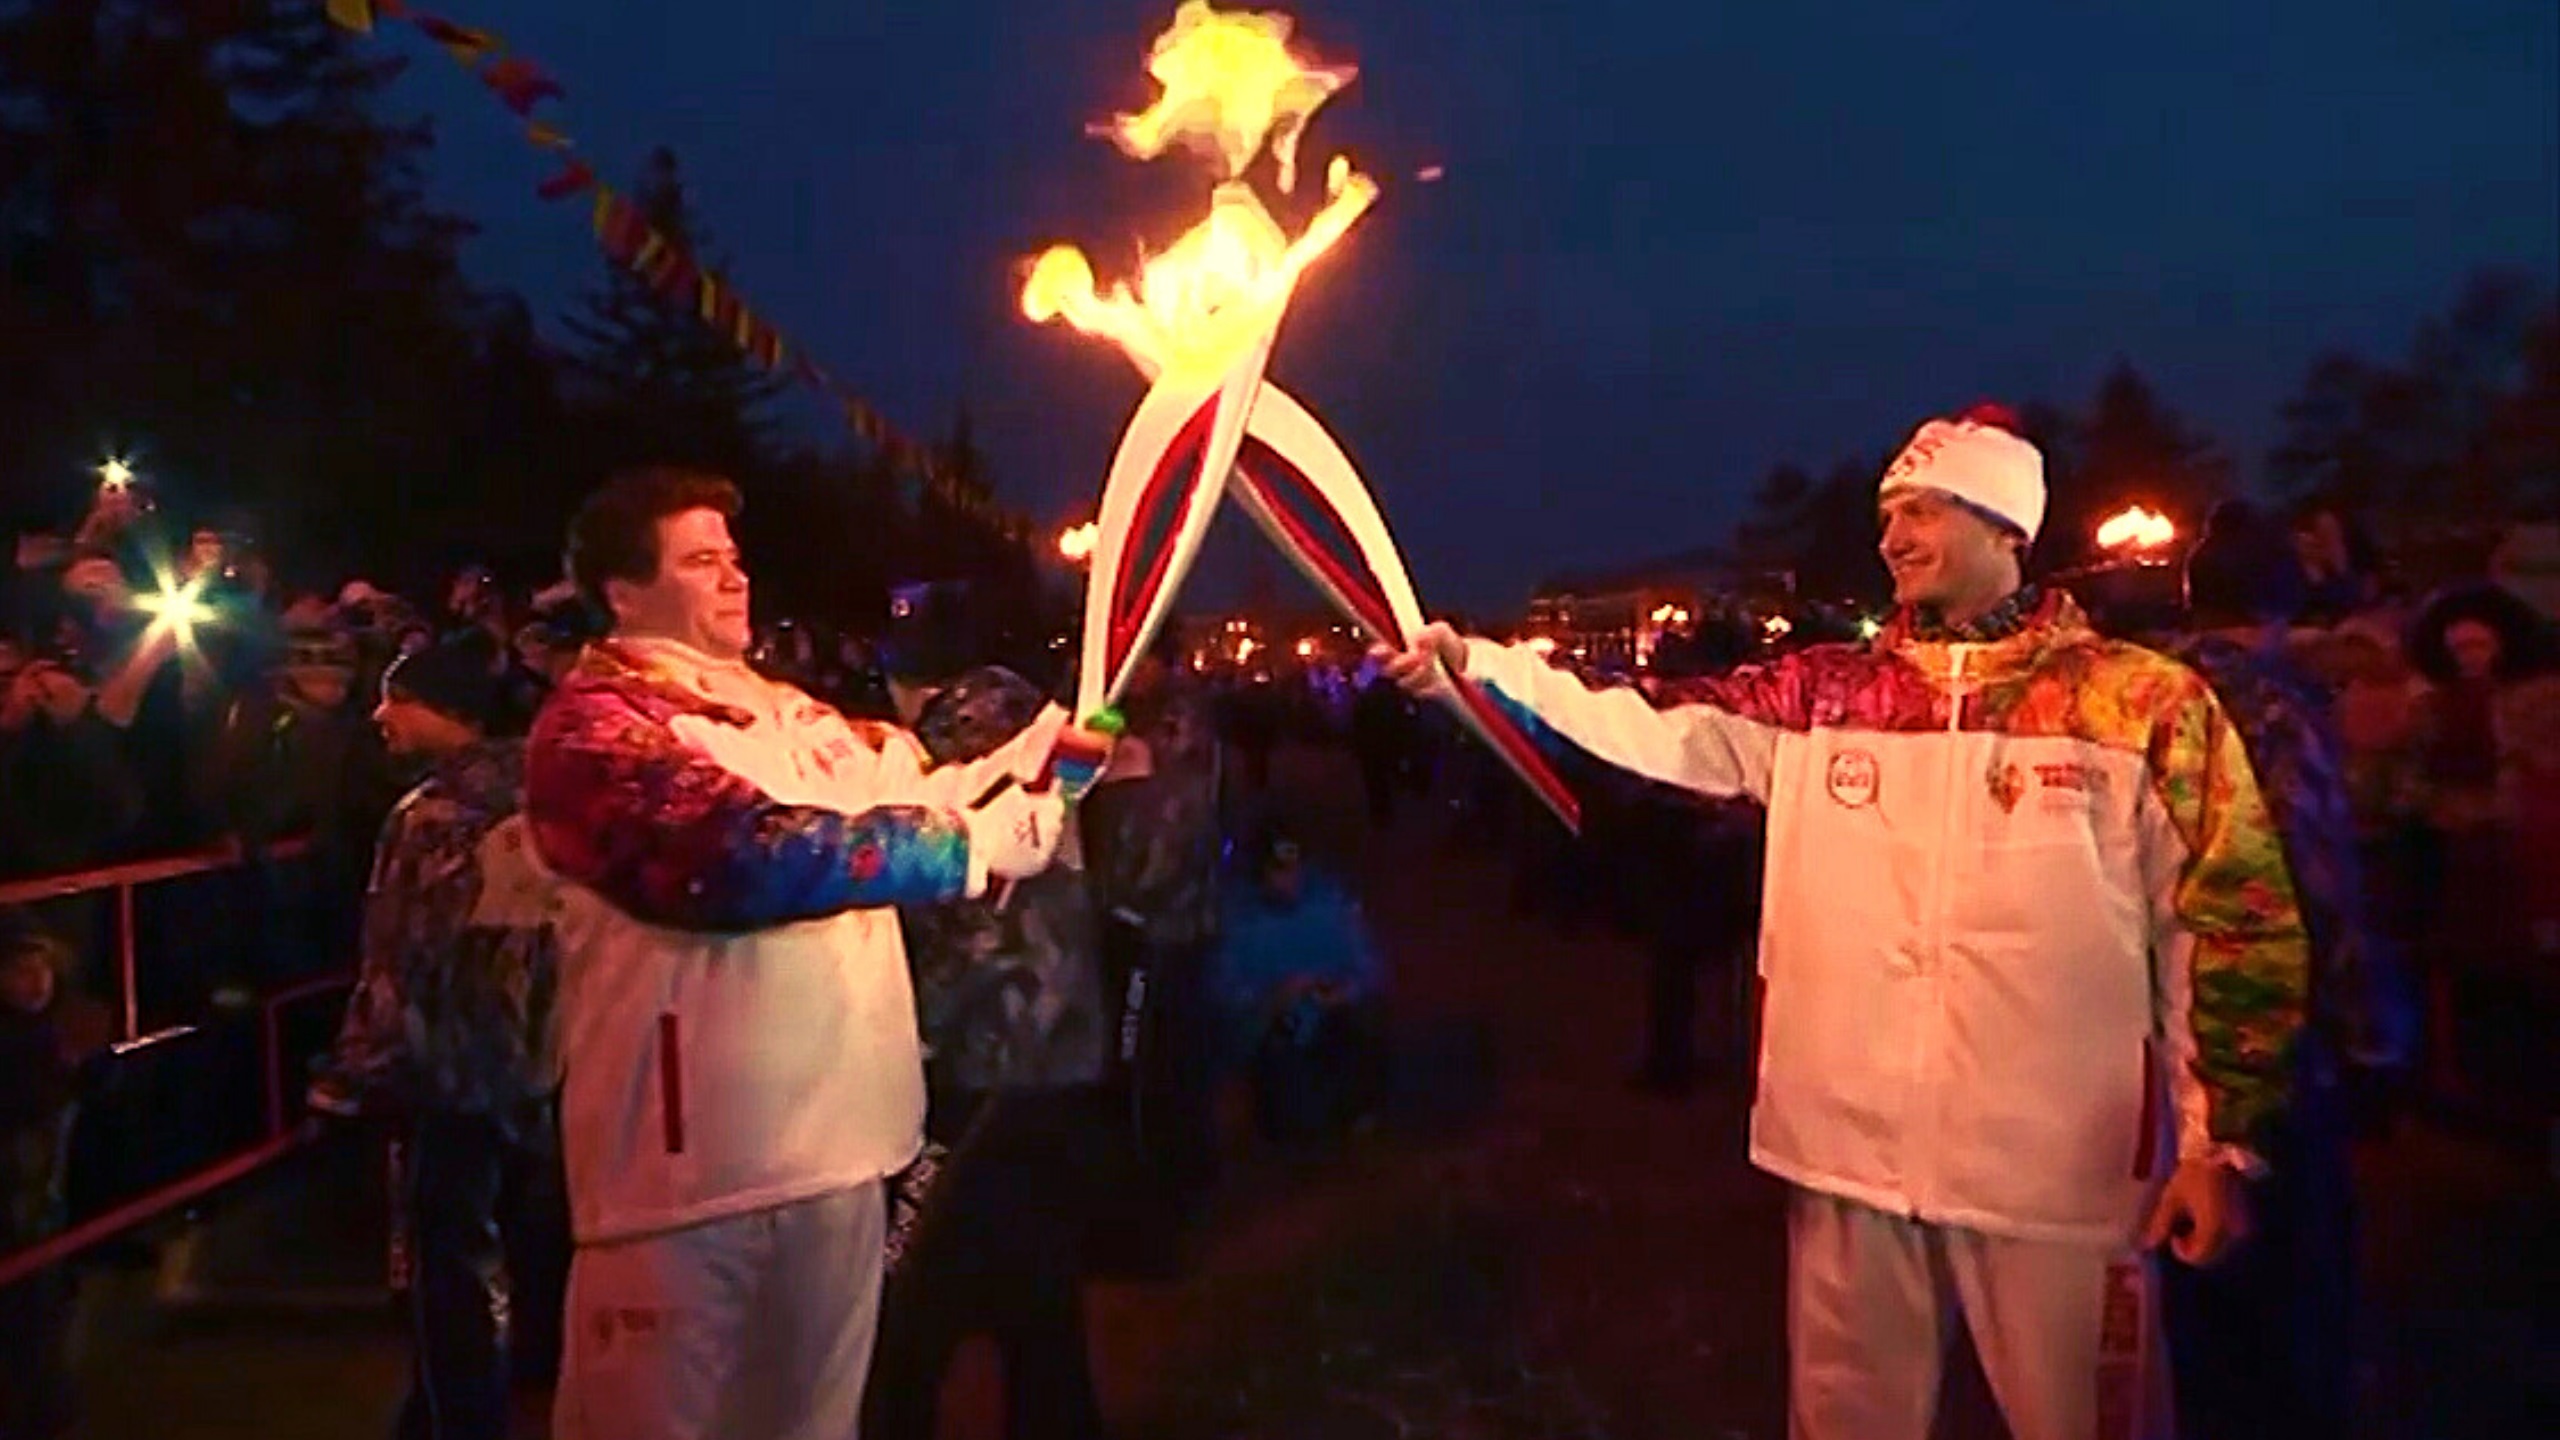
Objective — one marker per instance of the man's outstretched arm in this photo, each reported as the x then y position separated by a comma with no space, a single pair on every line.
622,806
1715,737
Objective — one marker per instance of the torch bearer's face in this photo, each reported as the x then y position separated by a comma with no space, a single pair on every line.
1941,554
698,596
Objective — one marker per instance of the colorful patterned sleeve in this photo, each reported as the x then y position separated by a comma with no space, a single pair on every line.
409,914
620,805
370,1043
2238,977
1715,737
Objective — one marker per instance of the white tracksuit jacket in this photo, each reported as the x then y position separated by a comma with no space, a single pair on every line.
2028,935
736,1024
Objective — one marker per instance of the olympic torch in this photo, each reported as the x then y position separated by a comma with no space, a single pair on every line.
1200,323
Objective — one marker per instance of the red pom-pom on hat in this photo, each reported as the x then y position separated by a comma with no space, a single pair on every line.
1993,415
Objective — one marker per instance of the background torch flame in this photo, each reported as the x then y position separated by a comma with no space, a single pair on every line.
1076,542
1231,88
2136,528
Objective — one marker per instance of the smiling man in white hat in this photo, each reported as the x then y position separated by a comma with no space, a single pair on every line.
2031,955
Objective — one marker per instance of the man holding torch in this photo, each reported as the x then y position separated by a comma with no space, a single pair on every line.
2031,958
735,1021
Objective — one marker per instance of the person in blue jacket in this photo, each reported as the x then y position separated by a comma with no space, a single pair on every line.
1300,990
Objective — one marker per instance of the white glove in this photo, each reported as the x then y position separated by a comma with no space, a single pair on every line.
1013,836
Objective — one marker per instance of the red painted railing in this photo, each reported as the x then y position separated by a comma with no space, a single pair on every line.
278,1139
126,879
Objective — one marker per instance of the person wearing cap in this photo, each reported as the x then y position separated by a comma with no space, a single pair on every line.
2267,1343
2031,959
737,1027
292,757
449,1033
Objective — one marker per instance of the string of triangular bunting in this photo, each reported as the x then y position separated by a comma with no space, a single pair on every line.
670,270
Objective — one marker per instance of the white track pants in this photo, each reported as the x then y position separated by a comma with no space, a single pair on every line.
756,1327
2069,1335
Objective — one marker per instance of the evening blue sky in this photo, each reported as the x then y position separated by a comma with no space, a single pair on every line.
1674,243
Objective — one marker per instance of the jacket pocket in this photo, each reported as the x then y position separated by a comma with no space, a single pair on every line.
2146,1140
670,1082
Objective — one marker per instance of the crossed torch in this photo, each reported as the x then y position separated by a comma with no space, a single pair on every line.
1200,326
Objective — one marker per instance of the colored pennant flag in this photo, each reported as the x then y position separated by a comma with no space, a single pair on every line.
617,226
665,266
648,245
676,277
520,84
465,44
571,178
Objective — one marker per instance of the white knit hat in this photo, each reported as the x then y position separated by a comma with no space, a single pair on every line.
1977,460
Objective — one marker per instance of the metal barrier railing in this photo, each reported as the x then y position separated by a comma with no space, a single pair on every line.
278,1138
124,880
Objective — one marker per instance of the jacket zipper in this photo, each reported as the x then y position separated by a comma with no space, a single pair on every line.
1950,812
1928,1035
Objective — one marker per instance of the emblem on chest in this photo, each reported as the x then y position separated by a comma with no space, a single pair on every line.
1851,778
2008,785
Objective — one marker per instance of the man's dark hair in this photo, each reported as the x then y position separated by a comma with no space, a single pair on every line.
615,533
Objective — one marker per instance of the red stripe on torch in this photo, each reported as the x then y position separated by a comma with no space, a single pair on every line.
1126,616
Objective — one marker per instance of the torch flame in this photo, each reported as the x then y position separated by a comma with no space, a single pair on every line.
1231,88
2136,528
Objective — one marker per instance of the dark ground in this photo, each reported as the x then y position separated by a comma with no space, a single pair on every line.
1525,1249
